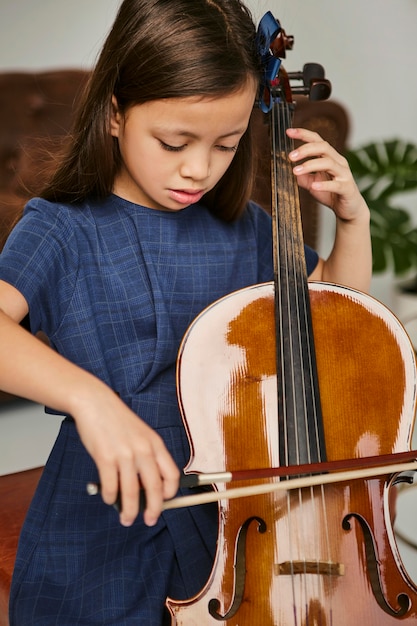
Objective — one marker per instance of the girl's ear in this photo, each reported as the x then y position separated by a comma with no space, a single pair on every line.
115,117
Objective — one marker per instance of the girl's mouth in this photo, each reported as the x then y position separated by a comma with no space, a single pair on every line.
186,196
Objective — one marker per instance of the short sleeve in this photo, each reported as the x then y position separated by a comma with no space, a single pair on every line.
40,259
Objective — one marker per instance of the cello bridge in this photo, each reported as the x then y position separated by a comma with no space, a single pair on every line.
290,568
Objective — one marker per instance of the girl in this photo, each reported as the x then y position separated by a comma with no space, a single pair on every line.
145,223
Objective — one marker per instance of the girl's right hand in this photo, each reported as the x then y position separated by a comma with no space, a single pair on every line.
126,450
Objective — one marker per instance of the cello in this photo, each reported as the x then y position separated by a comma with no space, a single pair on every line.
301,376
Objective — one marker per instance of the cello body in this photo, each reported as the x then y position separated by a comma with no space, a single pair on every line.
323,555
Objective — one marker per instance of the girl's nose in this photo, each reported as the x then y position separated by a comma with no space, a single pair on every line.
196,166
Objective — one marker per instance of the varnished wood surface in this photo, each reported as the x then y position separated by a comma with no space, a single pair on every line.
366,369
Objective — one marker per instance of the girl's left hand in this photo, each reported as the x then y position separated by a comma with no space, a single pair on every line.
326,175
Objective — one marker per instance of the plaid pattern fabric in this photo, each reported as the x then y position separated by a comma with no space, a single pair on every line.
115,286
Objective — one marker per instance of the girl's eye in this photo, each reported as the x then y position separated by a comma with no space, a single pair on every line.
169,148
227,148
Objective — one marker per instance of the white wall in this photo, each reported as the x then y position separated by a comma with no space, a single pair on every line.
43,34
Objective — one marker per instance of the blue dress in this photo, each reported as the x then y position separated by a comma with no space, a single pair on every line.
114,286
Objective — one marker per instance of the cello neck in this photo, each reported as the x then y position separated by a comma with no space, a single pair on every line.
301,433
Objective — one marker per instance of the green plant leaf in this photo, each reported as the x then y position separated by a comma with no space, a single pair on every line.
403,256
379,254
394,240
382,170
385,168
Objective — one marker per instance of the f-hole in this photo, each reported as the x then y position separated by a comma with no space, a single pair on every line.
404,601
240,572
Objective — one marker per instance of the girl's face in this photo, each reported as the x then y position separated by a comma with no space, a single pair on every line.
175,150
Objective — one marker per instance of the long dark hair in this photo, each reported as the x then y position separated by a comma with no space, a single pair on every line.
161,49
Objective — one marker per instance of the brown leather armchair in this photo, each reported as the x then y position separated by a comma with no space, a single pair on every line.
36,114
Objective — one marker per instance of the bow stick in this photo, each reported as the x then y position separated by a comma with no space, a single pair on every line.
313,474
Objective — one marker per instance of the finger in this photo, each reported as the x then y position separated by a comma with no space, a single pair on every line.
303,134
317,148
129,494
109,480
169,472
328,168
312,152
152,483
161,481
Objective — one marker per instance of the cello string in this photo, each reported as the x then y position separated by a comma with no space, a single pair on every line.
323,545
280,257
301,314
318,504
287,269
278,260
299,582
296,315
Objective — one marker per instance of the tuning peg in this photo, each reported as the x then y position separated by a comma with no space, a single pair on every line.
314,84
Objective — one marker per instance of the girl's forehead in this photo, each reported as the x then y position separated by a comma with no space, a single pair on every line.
224,115
231,103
